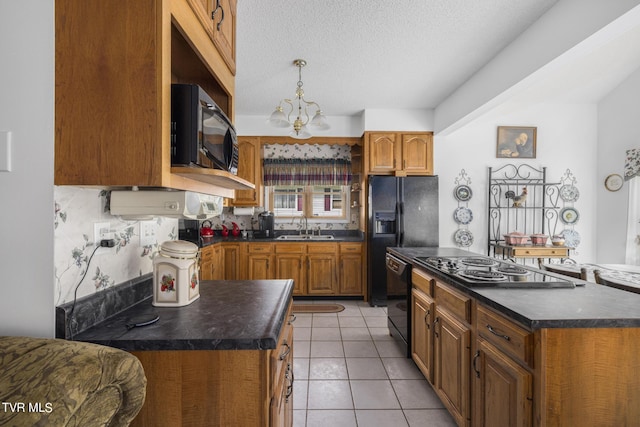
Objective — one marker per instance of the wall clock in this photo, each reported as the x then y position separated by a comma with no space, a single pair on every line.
613,182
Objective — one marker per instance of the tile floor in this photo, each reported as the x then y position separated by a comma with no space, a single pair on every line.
349,372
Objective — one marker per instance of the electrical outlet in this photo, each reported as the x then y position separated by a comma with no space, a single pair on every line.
101,231
147,233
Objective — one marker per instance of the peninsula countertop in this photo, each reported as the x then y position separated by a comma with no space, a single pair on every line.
586,306
229,315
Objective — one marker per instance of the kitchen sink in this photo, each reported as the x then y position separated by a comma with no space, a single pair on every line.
305,237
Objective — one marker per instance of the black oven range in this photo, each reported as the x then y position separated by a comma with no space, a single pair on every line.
487,272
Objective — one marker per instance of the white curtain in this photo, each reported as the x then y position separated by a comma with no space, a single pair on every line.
633,223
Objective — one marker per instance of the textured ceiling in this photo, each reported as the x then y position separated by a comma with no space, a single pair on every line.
368,54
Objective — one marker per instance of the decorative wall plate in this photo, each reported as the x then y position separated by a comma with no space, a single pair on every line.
613,182
463,215
569,193
571,238
569,215
463,238
462,193
509,194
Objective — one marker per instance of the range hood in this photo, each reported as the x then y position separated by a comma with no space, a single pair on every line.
145,204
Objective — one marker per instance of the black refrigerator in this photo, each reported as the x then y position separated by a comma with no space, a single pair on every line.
403,212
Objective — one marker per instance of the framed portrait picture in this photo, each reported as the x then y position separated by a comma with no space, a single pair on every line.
516,142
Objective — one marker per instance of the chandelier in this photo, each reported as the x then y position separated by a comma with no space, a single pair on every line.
300,131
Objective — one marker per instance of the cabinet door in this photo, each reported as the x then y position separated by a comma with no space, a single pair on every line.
384,152
417,154
224,31
202,9
321,274
259,267
231,261
290,266
350,282
217,267
503,389
452,356
249,168
422,314
206,263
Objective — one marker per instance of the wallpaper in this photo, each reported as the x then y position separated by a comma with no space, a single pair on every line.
78,262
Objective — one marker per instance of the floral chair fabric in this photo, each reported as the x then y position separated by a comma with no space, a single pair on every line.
54,382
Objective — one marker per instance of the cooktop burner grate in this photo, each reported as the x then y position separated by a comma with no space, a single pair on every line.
483,275
478,262
512,270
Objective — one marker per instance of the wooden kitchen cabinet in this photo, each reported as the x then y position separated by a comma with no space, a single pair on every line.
399,153
113,93
422,316
452,351
350,279
291,264
243,388
322,269
260,261
218,18
250,169
231,260
211,267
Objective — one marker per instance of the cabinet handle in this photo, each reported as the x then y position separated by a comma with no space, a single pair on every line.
290,377
426,314
475,358
494,332
293,318
435,330
213,14
404,164
286,351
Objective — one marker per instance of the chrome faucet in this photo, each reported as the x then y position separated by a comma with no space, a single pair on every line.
303,219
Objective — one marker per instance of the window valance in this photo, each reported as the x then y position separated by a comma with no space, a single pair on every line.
632,164
307,172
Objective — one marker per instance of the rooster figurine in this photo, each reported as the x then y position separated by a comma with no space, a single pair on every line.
518,201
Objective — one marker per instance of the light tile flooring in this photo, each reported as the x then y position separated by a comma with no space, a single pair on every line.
349,372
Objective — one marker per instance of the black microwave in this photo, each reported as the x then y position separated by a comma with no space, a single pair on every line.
201,134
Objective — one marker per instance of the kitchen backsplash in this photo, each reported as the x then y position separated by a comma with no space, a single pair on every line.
77,211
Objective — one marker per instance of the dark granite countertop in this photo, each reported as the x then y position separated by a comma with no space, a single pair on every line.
588,306
229,315
338,236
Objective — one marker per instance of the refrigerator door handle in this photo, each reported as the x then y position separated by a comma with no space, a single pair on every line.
398,222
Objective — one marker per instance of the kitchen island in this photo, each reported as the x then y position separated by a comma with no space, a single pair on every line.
225,359
526,357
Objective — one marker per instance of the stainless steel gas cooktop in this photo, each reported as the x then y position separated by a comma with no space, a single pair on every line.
486,272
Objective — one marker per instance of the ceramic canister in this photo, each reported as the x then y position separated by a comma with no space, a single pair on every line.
175,274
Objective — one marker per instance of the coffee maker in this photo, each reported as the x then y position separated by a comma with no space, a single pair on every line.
265,222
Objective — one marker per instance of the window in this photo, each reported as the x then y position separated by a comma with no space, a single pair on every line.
314,201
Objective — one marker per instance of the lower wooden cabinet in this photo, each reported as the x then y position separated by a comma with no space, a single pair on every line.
350,275
452,354
503,393
211,266
220,388
489,370
231,261
422,313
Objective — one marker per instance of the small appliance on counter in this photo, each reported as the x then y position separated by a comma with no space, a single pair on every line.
265,222
175,274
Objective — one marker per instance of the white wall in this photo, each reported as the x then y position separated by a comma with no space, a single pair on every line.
27,110
618,115
566,140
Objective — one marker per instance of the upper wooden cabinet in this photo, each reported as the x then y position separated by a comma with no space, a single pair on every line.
218,17
250,169
399,153
115,62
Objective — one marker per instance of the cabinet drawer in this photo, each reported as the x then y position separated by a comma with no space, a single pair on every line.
260,248
350,248
541,252
206,253
422,281
322,248
290,248
505,335
456,302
